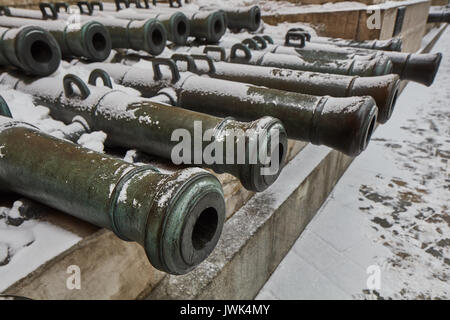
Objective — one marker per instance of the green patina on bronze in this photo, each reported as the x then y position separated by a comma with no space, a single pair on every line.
344,124
135,122
177,217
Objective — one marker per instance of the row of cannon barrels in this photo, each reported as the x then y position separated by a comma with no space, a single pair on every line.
187,70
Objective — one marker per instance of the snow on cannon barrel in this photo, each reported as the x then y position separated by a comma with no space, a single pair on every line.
30,49
383,89
240,53
89,39
394,44
345,124
177,217
141,123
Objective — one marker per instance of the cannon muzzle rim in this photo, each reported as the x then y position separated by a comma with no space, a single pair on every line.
181,28
368,126
155,35
96,41
255,18
390,101
190,209
38,51
271,153
216,26
435,68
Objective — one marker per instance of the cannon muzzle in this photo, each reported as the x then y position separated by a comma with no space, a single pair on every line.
176,217
421,68
90,40
30,49
243,18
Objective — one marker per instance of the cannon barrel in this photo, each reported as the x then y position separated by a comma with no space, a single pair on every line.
439,16
417,67
177,24
176,217
383,89
394,44
243,18
90,39
148,35
240,53
30,49
135,122
208,25
344,124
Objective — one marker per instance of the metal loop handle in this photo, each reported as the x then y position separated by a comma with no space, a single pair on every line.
102,74
240,46
98,4
86,4
295,36
252,44
208,59
43,6
59,5
262,42
4,108
125,3
218,49
69,80
157,62
191,66
268,39
300,30
4,11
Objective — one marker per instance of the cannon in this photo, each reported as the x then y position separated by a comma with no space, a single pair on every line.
240,53
418,67
148,35
140,123
345,124
439,16
89,39
30,49
176,217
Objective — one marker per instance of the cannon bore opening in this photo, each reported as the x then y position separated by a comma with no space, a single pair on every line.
205,228
41,51
257,18
157,37
218,26
99,41
181,28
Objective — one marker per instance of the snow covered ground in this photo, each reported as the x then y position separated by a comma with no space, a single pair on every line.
384,232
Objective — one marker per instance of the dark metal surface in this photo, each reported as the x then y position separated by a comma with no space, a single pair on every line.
30,49
135,122
344,124
90,39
